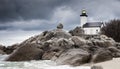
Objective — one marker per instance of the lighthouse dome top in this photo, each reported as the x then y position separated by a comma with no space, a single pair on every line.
84,13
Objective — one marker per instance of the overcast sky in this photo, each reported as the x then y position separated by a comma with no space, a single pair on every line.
20,19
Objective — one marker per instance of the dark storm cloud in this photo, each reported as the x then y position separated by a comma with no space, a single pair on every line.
7,10
11,10
21,14
22,10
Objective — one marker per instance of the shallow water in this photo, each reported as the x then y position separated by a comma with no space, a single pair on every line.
43,64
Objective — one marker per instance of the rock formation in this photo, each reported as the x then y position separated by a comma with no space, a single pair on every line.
65,48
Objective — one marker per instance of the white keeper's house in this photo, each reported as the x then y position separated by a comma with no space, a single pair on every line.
90,28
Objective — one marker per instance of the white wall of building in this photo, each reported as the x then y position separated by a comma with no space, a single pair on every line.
83,20
91,30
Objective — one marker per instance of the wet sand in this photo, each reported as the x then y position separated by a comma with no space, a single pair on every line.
112,64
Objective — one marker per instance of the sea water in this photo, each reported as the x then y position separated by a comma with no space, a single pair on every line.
41,64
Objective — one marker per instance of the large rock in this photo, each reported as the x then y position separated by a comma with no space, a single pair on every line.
101,55
59,33
78,41
73,57
25,53
60,26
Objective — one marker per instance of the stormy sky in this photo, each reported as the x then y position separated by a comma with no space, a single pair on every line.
20,19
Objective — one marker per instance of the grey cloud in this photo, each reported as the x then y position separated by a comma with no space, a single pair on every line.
11,10
23,10
28,25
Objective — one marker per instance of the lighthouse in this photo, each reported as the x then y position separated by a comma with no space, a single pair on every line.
83,18
90,28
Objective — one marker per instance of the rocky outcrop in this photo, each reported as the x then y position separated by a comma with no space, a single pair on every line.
25,53
65,48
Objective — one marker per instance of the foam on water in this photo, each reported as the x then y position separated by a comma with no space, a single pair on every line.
43,64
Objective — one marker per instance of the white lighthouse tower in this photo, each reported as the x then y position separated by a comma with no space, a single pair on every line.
83,18
90,28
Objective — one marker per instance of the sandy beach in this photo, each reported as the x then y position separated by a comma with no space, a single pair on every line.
112,64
